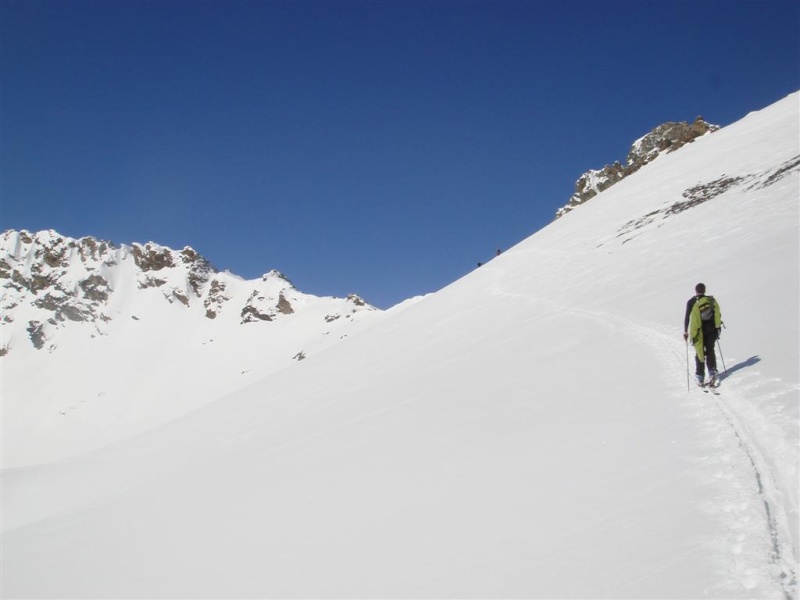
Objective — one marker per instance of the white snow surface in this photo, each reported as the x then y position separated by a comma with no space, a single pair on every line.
149,357
525,432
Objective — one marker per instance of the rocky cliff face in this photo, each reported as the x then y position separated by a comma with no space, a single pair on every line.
661,140
52,283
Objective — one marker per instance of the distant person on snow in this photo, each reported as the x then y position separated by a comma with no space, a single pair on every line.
702,325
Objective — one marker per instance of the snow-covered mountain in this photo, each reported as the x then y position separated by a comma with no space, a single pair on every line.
525,432
662,140
134,335
51,281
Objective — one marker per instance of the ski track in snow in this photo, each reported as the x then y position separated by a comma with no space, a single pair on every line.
780,569
763,485
753,482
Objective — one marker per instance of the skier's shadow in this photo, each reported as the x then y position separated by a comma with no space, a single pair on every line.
753,360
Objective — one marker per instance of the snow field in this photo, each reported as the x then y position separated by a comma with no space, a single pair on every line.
524,432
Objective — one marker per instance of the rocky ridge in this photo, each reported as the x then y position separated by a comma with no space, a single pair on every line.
52,283
663,139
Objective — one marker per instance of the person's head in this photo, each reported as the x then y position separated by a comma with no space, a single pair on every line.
700,289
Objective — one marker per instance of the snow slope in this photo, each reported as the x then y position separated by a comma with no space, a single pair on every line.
130,337
525,432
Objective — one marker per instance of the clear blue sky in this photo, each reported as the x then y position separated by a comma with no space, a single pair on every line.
381,148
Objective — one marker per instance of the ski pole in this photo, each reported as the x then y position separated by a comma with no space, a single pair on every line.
688,387
725,369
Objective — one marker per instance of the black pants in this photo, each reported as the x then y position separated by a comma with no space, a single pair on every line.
709,340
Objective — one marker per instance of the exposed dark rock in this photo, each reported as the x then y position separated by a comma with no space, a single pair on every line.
189,256
95,288
54,257
180,297
663,139
200,270
73,313
250,314
91,249
50,302
36,334
197,281
151,282
35,283
147,258
215,299
666,138
64,307
5,269
355,299
703,193
785,169
284,306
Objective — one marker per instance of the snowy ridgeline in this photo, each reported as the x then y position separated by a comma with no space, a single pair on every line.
526,431
51,282
133,336
662,140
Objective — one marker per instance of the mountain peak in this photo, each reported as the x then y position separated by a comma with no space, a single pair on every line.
663,139
275,274
53,283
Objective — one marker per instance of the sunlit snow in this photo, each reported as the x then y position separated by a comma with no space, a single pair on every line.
525,432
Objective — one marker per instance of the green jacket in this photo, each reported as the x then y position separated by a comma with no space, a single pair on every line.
696,321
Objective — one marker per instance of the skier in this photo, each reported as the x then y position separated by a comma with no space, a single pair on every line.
702,325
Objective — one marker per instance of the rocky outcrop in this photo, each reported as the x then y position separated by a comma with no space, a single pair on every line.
52,282
200,270
36,334
251,312
356,300
95,288
284,306
265,307
661,140
151,257
216,299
